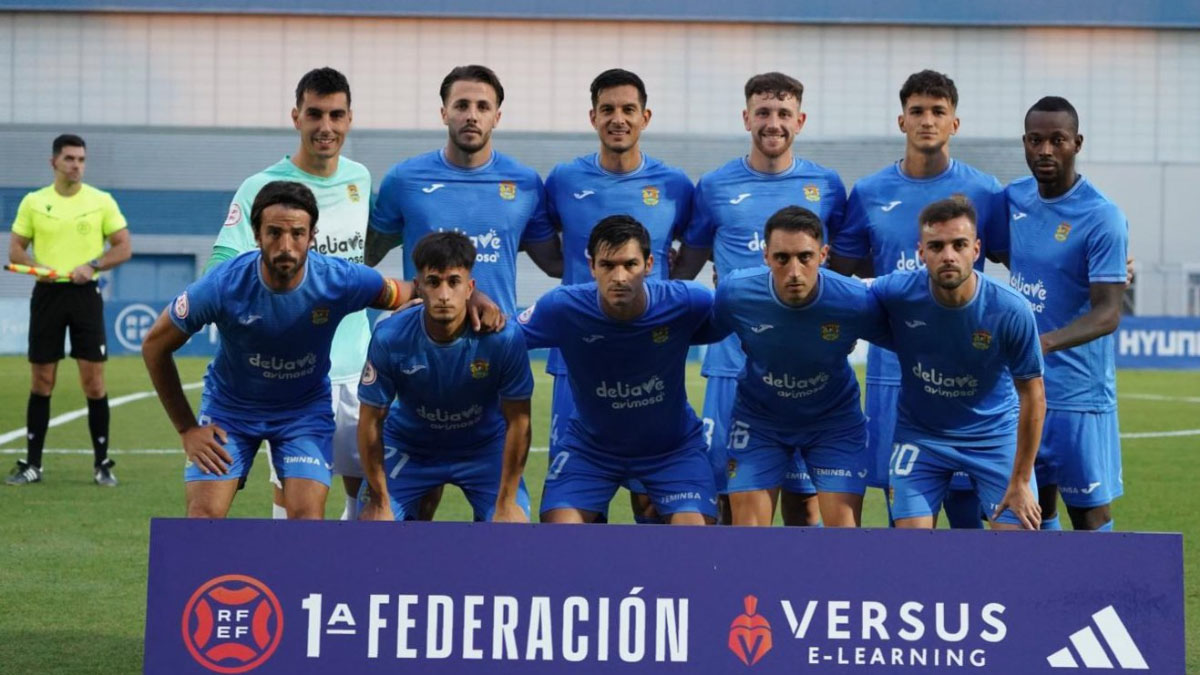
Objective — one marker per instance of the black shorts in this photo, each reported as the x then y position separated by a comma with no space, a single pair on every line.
55,308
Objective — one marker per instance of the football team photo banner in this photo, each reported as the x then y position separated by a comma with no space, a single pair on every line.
261,596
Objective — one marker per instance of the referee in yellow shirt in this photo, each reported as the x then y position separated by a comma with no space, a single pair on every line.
67,223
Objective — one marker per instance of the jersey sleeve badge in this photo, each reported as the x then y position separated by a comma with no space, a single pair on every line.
368,374
525,316
181,306
235,215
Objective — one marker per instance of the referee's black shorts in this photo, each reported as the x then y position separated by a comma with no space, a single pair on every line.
58,307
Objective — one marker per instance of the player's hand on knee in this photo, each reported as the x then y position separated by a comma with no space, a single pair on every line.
202,445
509,512
377,509
1019,499
485,315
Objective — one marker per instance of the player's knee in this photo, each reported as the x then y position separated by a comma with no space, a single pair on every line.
43,381
205,508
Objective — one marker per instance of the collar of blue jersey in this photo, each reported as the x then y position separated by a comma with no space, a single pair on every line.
786,172
978,289
1079,181
596,163
303,280
904,176
454,167
425,331
801,308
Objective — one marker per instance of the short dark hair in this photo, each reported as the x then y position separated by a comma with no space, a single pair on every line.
322,82
954,206
614,231
472,73
65,140
443,251
929,83
618,77
795,219
1054,104
776,85
285,193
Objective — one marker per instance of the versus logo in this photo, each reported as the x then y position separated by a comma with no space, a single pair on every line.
232,624
750,632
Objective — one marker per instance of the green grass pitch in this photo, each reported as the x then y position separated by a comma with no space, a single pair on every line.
73,556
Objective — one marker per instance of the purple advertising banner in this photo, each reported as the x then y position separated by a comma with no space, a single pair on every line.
260,596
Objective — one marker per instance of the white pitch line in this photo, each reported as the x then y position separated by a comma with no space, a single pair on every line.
1160,397
76,414
140,451
1162,434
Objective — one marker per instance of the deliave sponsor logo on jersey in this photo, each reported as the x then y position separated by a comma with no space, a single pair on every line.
941,384
790,386
347,248
487,245
1034,291
907,264
275,368
756,242
636,395
450,419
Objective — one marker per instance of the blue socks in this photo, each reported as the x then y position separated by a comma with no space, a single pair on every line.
1052,523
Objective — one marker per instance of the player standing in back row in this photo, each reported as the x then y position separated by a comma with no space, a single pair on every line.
730,207
1068,249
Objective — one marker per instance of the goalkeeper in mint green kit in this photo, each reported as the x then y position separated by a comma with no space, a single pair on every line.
343,189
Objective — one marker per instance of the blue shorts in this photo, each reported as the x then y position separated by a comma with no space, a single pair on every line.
760,459
301,443
881,405
562,406
1081,454
410,476
719,394
584,478
921,471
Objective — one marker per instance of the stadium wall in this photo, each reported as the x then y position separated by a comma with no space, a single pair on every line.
181,107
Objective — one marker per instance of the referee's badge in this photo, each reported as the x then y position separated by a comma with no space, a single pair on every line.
181,306
1063,230
82,226
981,340
508,190
812,193
650,196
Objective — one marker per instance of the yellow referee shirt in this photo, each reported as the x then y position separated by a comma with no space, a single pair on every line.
67,231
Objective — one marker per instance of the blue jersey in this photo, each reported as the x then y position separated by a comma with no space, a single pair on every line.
274,353
499,205
581,193
881,224
1059,248
444,398
730,209
958,363
797,376
627,377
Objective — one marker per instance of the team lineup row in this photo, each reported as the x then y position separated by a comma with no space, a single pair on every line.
1065,245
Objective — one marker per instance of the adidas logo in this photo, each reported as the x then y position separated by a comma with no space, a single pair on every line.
1092,653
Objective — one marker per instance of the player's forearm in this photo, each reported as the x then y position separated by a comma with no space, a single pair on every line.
378,244
1031,394
516,452
117,253
547,255
689,262
370,451
1097,323
18,251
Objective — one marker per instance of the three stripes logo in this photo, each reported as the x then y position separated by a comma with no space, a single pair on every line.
1091,652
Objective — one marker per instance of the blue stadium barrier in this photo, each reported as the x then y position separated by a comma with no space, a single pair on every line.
346,597
1159,342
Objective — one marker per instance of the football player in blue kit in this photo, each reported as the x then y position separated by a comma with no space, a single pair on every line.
624,340
619,179
878,238
440,401
797,393
277,309
730,206
971,392
1069,247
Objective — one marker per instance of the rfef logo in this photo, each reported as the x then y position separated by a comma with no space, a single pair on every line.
750,633
232,624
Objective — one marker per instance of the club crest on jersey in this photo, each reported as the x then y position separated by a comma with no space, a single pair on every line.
812,193
352,193
479,369
1061,233
830,331
650,196
508,190
731,468
181,306
661,334
981,339
320,315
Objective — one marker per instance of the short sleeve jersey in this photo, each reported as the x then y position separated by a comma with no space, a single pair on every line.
499,205
881,224
958,363
443,398
797,376
273,358
343,204
626,377
1059,248
67,231
581,193
730,208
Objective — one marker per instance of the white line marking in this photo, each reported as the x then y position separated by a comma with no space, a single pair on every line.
1162,434
76,414
1160,397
